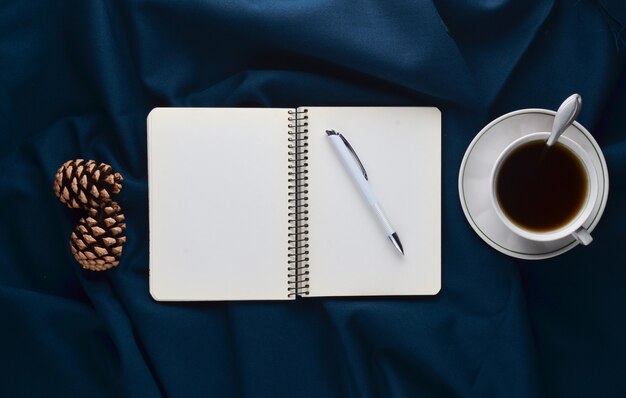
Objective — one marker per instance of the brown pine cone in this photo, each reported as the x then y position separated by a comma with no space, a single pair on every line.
84,184
98,239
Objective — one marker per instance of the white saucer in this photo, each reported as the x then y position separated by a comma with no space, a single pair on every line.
474,187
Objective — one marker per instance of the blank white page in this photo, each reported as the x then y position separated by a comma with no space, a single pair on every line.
218,203
350,255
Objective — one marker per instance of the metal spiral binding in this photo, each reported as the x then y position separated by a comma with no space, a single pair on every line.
298,239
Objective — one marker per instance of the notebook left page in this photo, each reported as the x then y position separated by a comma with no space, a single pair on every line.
218,203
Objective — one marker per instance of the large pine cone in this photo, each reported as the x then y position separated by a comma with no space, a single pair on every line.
81,184
98,239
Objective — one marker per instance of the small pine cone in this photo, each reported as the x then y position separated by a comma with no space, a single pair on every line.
81,184
98,239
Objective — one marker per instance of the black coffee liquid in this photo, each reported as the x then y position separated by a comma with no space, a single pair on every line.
541,188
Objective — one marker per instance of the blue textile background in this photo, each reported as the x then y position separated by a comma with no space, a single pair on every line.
77,79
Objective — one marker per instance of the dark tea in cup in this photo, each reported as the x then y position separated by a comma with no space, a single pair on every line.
541,188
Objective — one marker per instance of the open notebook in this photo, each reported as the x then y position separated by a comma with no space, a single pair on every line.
227,221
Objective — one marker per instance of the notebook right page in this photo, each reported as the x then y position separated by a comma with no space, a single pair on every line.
350,254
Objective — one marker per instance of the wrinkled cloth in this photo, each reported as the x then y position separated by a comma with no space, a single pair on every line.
77,80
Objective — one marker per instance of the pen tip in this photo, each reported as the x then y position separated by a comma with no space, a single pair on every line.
396,242
331,132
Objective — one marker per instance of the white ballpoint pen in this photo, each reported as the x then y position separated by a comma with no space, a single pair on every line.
355,168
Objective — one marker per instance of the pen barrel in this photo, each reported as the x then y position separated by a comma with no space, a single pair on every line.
356,175
382,219
353,169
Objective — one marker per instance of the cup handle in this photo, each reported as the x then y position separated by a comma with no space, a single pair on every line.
582,236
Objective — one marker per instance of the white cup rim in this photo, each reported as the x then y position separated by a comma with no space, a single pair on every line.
583,214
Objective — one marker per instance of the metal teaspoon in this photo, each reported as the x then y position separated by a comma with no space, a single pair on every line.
565,115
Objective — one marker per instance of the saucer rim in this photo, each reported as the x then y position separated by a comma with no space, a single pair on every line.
525,255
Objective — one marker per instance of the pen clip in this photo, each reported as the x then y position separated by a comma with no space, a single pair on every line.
347,144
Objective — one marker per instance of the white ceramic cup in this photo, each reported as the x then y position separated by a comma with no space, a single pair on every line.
575,226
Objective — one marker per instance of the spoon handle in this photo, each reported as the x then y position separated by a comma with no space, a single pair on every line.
565,115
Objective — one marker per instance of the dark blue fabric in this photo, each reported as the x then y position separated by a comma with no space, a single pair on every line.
77,79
